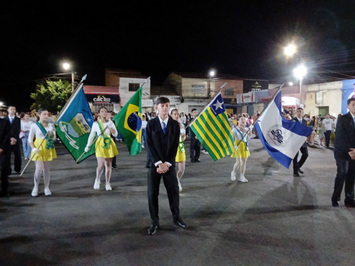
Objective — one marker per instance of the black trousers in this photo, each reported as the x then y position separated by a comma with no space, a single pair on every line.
195,146
327,137
298,164
16,149
345,174
172,189
4,166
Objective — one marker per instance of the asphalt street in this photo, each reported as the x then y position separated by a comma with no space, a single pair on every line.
274,219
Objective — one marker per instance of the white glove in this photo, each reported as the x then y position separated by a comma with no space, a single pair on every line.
35,150
87,148
251,127
236,147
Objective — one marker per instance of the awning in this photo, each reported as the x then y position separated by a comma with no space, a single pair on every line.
105,90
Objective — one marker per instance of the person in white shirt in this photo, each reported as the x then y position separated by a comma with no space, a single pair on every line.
328,126
26,124
105,147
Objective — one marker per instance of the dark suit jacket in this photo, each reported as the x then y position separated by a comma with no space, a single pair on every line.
304,122
345,136
163,147
15,127
4,134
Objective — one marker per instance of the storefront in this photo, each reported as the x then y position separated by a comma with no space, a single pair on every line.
102,96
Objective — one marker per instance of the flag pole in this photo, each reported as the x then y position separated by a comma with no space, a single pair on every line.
273,97
33,155
206,106
71,97
96,137
145,81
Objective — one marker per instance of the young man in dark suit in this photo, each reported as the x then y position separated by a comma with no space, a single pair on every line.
15,125
304,149
163,139
195,144
4,155
344,154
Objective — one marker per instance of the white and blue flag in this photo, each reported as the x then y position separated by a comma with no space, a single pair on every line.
282,138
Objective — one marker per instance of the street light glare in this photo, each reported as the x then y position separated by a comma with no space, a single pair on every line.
300,71
290,50
66,66
212,73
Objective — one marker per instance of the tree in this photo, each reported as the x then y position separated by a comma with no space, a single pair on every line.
51,95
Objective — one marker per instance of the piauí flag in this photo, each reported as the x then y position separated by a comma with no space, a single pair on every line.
213,130
74,124
129,123
282,138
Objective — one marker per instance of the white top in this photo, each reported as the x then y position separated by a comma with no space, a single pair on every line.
95,131
36,132
328,124
238,135
26,126
144,123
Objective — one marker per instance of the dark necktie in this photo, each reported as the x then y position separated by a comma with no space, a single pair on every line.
164,126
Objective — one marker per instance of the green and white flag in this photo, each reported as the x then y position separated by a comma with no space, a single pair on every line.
74,124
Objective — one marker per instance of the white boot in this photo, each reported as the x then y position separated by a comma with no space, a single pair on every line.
108,187
34,191
97,184
233,176
179,184
47,192
242,179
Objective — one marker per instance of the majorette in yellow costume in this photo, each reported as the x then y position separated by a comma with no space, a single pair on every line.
181,154
243,148
46,150
105,146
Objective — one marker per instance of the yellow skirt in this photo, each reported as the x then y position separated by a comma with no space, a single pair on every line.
109,152
242,151
43,154
180,155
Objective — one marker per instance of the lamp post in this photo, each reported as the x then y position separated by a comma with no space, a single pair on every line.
211,75
67,66
300,72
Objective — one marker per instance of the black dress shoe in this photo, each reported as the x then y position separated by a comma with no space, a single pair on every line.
180,223
153,229
335,203
296,175
197,161
192,160
300,171
349,203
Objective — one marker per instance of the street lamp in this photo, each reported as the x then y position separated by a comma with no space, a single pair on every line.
67,66
300,72
211,75
290,50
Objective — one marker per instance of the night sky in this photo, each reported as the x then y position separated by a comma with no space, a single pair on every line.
241,38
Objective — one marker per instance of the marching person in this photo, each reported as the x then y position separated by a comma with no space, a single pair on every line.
105,147
163,140
26,124
180,158
43,150
344,154
15,125
241,136
297,164
195,144
5,134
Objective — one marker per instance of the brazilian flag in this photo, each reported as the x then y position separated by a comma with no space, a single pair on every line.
129,123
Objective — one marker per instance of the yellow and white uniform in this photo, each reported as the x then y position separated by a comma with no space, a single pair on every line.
45,152
243,150
105,146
